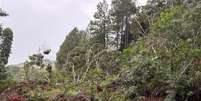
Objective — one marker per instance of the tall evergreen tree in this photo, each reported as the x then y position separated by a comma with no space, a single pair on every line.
6,38
72,40
122,12
99,27
5,46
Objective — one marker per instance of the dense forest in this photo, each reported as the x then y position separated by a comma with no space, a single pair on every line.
127,53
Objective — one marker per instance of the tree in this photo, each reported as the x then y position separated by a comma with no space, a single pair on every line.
122,12
6,38
37,61
5,47
99,27
73,39
170,52
155,7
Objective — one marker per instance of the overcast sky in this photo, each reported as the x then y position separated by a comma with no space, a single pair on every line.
44,23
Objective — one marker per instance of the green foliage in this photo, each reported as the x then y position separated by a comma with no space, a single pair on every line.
100,26
8,82
74,38
121,14
162,61
3,74
159,57
6,38
167,18
5,46
38,95
36,68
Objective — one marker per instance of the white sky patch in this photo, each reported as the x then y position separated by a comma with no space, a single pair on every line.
141,2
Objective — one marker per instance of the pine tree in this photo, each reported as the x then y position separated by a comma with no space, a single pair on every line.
72,40
122,12
5,49
6,38
99,27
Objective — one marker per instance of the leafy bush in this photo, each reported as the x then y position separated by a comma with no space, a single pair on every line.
157,65
4,84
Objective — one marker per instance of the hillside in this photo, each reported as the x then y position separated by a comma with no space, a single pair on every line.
126,53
